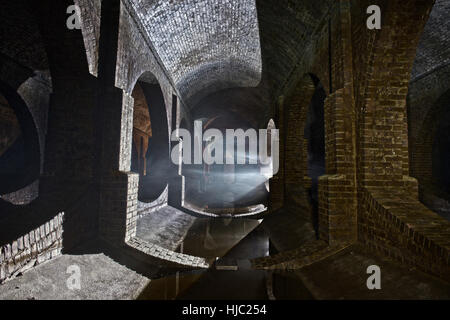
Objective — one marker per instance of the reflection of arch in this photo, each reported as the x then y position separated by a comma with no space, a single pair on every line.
153,141
28,171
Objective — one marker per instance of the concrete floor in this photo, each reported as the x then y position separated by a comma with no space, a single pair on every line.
100,278
214,237
166,227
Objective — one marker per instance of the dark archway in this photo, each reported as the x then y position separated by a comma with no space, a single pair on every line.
441,153
221,189
151,145
430,157
20,161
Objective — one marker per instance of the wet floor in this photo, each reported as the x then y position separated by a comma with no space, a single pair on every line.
214,237
219,284
233,242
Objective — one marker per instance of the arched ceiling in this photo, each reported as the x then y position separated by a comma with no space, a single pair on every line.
206,45
434,46
243,50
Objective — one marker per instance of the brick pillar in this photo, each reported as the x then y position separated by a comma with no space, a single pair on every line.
118,187
337,189
383,116
67,179
337,197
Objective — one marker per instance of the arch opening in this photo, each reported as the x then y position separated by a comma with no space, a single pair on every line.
441,151
230,188
150,145
315,135
20,159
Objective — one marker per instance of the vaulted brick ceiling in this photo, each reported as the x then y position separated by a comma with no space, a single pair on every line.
206,45
209,46
434,46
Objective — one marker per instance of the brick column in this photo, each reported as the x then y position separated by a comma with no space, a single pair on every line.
337,189
118,187
69,166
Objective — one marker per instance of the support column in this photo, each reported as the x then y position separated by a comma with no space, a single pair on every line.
67,180
118,187
337,189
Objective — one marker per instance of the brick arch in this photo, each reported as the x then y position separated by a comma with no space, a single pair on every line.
24,70
66,179
156,137
382,110
29,93
90,12
31,156
391,220
290,186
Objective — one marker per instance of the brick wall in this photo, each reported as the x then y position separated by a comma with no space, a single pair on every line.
31,249
395,224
